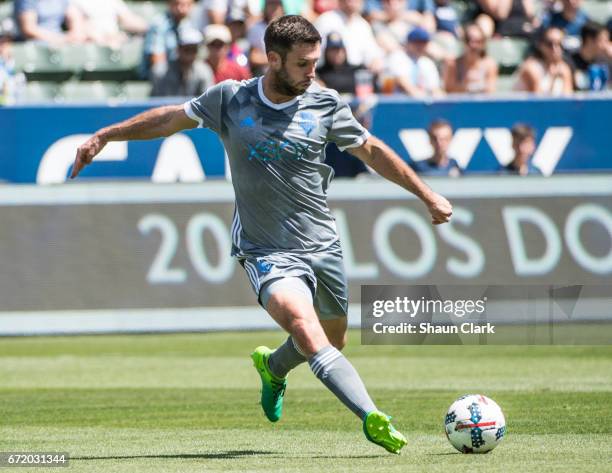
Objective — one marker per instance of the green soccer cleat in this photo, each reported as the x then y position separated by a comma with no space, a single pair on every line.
378,429
272,388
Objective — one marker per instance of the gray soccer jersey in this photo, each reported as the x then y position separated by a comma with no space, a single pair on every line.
276,154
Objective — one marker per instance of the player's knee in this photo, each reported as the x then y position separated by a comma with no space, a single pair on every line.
304,329
299,319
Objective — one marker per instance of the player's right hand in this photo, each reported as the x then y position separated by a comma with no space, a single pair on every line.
85,153
440,209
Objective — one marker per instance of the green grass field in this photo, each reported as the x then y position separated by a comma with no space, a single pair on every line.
189,402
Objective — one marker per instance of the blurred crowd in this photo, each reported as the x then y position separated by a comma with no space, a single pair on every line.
416,47
420,48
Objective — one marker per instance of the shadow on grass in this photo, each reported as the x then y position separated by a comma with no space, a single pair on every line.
444,453
232,454
348,456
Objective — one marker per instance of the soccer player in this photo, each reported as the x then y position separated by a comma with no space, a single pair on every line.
274,129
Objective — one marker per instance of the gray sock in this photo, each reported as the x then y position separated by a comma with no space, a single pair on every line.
337,373
285,358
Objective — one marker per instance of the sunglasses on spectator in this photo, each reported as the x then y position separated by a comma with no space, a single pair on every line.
216,44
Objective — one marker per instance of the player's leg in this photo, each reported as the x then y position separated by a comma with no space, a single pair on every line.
287,295
275,365
289,354
268,275
298,317
293,310
280,298
331,303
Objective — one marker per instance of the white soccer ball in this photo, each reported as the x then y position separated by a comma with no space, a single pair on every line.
474,424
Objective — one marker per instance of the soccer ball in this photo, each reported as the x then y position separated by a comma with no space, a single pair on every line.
474,424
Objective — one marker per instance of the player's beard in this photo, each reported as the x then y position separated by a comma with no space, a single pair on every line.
285,86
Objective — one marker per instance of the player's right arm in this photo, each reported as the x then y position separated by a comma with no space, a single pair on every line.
155,123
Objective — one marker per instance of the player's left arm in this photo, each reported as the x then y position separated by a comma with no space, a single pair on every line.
380,157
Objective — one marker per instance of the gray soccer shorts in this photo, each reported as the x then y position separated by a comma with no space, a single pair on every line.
323,271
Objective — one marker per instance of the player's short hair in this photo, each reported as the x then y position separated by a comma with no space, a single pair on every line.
521,131
439,123
591,30
282,33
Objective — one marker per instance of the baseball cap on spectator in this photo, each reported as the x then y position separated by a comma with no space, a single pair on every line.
334,40
418,35
217,33
189,37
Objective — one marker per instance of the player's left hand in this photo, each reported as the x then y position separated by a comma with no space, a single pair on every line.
85,154
439,208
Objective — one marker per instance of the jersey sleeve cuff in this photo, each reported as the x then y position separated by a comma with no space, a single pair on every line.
361,140
191,114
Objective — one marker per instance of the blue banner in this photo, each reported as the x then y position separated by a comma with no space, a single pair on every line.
572,135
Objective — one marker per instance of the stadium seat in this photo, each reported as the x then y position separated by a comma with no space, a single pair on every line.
40,62
73,91
507,52
6,10
135,90
597,10
103,63
505,83
38,92
449,45
147,9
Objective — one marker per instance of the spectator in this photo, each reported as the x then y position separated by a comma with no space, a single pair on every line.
218,39
356,32
589,64
185,77
473,72
239,47
545,72
212,12
440,164
11,82
414,12
161,41
257,55
292,7
415,74
107,21
391,28
239,9
609,45
44,20
446,17
322,6
523,146
570,19
506,17
336,73
448,29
